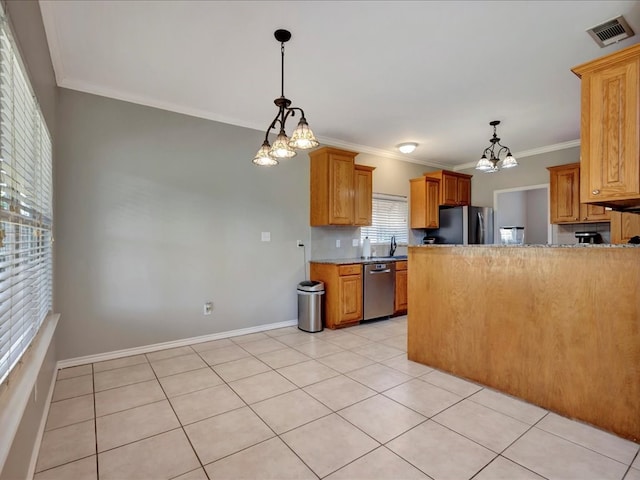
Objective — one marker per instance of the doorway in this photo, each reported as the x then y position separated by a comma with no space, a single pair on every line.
526,207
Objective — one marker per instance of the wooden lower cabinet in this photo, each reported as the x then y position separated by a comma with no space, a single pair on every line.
343,292
624,226
401,288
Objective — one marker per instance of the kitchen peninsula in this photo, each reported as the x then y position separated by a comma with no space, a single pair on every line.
558,326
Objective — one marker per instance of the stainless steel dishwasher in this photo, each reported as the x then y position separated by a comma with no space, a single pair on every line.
379,283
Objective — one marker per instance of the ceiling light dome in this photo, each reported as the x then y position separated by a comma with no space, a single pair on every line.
407,147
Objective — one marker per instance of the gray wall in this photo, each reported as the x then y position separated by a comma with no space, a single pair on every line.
512,212
530,171
26,23
160,212
537,226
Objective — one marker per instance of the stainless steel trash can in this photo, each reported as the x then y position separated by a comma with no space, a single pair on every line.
310,306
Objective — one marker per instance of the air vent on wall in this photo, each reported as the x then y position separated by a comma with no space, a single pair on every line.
611,31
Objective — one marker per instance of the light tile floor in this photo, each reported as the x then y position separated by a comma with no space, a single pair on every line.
284,404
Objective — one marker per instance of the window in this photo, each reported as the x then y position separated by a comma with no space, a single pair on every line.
25,209
389,218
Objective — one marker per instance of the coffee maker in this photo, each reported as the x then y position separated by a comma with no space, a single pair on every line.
588,237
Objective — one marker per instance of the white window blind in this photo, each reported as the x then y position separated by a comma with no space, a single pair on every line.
389,218
25,209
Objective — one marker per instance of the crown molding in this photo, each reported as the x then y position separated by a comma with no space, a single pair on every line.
528,153
194,112
380,152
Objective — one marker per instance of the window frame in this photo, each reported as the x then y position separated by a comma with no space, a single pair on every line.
372,231
26,208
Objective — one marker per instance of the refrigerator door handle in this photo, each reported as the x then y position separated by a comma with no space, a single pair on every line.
480,228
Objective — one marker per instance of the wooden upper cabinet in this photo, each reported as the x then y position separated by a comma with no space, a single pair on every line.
564,195
624,226
455,188
363,200
609,129
341,192
424,202
464,190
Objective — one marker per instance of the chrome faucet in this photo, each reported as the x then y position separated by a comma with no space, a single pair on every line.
392,247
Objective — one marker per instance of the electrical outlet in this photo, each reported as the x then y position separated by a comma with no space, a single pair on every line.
299,243
208,308
337,243
355,242
265,236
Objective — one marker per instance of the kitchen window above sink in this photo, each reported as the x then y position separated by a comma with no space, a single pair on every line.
389,219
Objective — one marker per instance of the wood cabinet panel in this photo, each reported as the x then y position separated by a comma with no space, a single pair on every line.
609,129
424,202
624,226
564,181
341,191
565,336
343,292
355,269
464,190
363,200
400,305
455,188
350,288
594,213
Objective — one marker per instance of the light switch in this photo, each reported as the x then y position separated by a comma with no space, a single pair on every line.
355,242
266,236
337,243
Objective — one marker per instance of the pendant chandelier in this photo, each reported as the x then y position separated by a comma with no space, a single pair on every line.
490,162
302,137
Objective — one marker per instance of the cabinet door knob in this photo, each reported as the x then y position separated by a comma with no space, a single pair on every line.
584,218
596,192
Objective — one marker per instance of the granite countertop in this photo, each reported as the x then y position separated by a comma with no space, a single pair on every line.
348,261
571,245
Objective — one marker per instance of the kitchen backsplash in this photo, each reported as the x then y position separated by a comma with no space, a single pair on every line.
566,234
323,244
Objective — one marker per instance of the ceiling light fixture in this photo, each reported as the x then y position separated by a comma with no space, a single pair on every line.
407,147
488,163
302,137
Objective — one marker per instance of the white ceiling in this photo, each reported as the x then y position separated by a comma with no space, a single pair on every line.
369,74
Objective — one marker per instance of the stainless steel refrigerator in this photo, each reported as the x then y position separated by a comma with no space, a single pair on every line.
464,226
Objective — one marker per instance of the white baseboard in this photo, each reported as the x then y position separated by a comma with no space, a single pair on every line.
43,424
101,357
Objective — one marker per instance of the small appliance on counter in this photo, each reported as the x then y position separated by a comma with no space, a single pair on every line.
588,237
512,235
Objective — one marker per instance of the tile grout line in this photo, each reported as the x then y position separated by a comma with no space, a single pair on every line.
345,375
276,435
184,432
